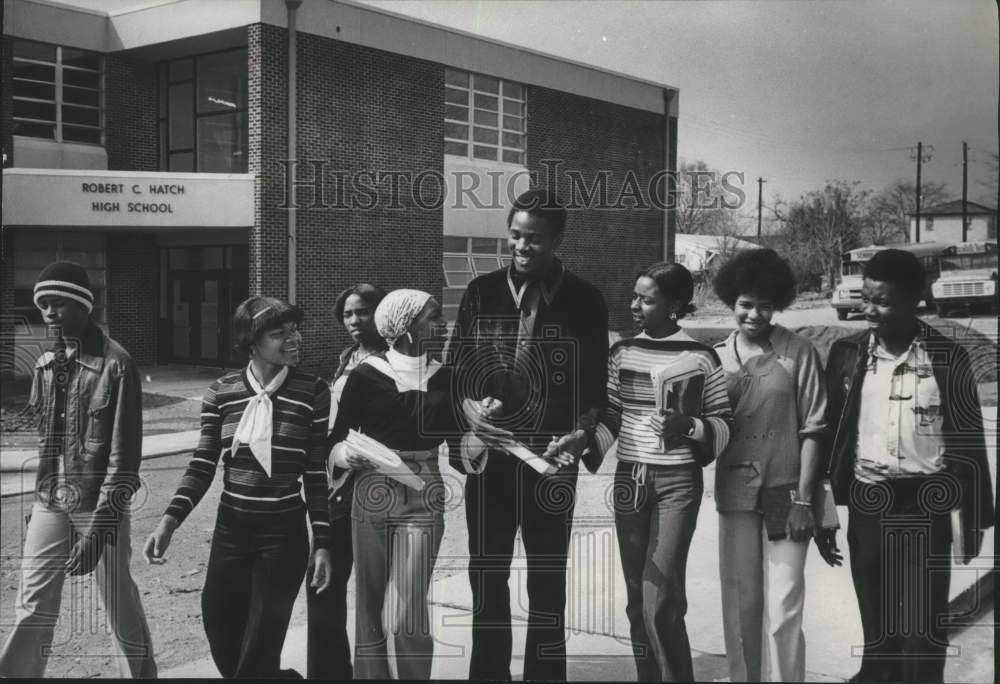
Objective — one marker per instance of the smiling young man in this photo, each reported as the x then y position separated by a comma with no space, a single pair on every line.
908,450
531,345
88,390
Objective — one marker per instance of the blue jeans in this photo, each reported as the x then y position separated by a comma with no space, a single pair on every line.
656,511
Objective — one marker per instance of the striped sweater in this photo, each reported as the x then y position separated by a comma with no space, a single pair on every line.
298,451
631,401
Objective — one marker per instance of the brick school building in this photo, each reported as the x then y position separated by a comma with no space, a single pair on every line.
151,143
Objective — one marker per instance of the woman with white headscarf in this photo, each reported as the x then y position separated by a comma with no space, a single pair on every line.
401,398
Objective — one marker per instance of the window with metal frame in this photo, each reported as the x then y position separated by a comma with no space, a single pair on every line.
466,258
203,113
58,93
484,117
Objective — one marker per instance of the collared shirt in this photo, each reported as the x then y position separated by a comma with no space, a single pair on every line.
527,294
900,421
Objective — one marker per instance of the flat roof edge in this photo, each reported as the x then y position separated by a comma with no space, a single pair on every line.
501,43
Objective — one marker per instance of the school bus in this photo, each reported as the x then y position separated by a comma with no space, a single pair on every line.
968,277
847,295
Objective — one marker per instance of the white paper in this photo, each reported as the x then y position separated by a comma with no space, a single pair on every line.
528,456
386,461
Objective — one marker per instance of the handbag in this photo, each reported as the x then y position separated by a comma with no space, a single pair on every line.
776,503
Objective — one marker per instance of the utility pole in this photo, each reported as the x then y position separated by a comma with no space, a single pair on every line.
965,191
760,204
920,158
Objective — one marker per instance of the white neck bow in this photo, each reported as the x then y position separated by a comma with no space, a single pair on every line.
255,428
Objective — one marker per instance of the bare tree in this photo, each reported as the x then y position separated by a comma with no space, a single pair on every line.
989,195
823,224
888,217
704,205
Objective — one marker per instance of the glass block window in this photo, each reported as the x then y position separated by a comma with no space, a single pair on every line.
484,117
58,93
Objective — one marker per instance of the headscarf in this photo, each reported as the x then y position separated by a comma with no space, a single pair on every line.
396,313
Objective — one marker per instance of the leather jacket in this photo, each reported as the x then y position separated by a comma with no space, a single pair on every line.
102,439
965,460
566,368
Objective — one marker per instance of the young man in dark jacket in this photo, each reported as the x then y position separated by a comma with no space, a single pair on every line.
908,450
88,391
532,344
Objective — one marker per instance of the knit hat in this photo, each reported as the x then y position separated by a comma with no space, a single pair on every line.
396,313
66,279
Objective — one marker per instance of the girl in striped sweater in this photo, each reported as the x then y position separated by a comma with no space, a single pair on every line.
268,423
658,483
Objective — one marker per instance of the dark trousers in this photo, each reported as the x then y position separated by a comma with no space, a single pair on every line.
506,496
900,545
655,515
254,574
328,650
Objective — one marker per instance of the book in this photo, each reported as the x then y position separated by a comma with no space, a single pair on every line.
386,461
680,386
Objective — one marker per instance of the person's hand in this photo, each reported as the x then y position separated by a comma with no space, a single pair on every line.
826,542
321,570
566,450
358,462
84,555
479,415
159,540
800,525
671,425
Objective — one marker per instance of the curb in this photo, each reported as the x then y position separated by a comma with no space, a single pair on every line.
971,601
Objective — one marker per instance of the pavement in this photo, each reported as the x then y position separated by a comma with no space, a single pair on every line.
598,646
597,629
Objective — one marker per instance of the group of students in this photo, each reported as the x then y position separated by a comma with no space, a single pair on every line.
893,423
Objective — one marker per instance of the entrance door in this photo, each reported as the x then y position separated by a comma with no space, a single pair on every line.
196,317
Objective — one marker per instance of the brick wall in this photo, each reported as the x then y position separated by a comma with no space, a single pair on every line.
130,118
267,120
361,110
604,246
133,314
7,98
7,303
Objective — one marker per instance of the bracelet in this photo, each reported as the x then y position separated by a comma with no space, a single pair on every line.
797,502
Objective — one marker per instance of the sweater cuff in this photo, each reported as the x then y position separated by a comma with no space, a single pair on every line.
602,440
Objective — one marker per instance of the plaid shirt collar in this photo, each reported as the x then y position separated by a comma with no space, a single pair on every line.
916,357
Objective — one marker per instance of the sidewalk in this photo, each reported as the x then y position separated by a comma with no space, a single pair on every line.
18,466
598,646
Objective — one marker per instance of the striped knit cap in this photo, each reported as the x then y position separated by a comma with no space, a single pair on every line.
66,279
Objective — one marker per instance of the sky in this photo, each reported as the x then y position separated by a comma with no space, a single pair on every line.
794,92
